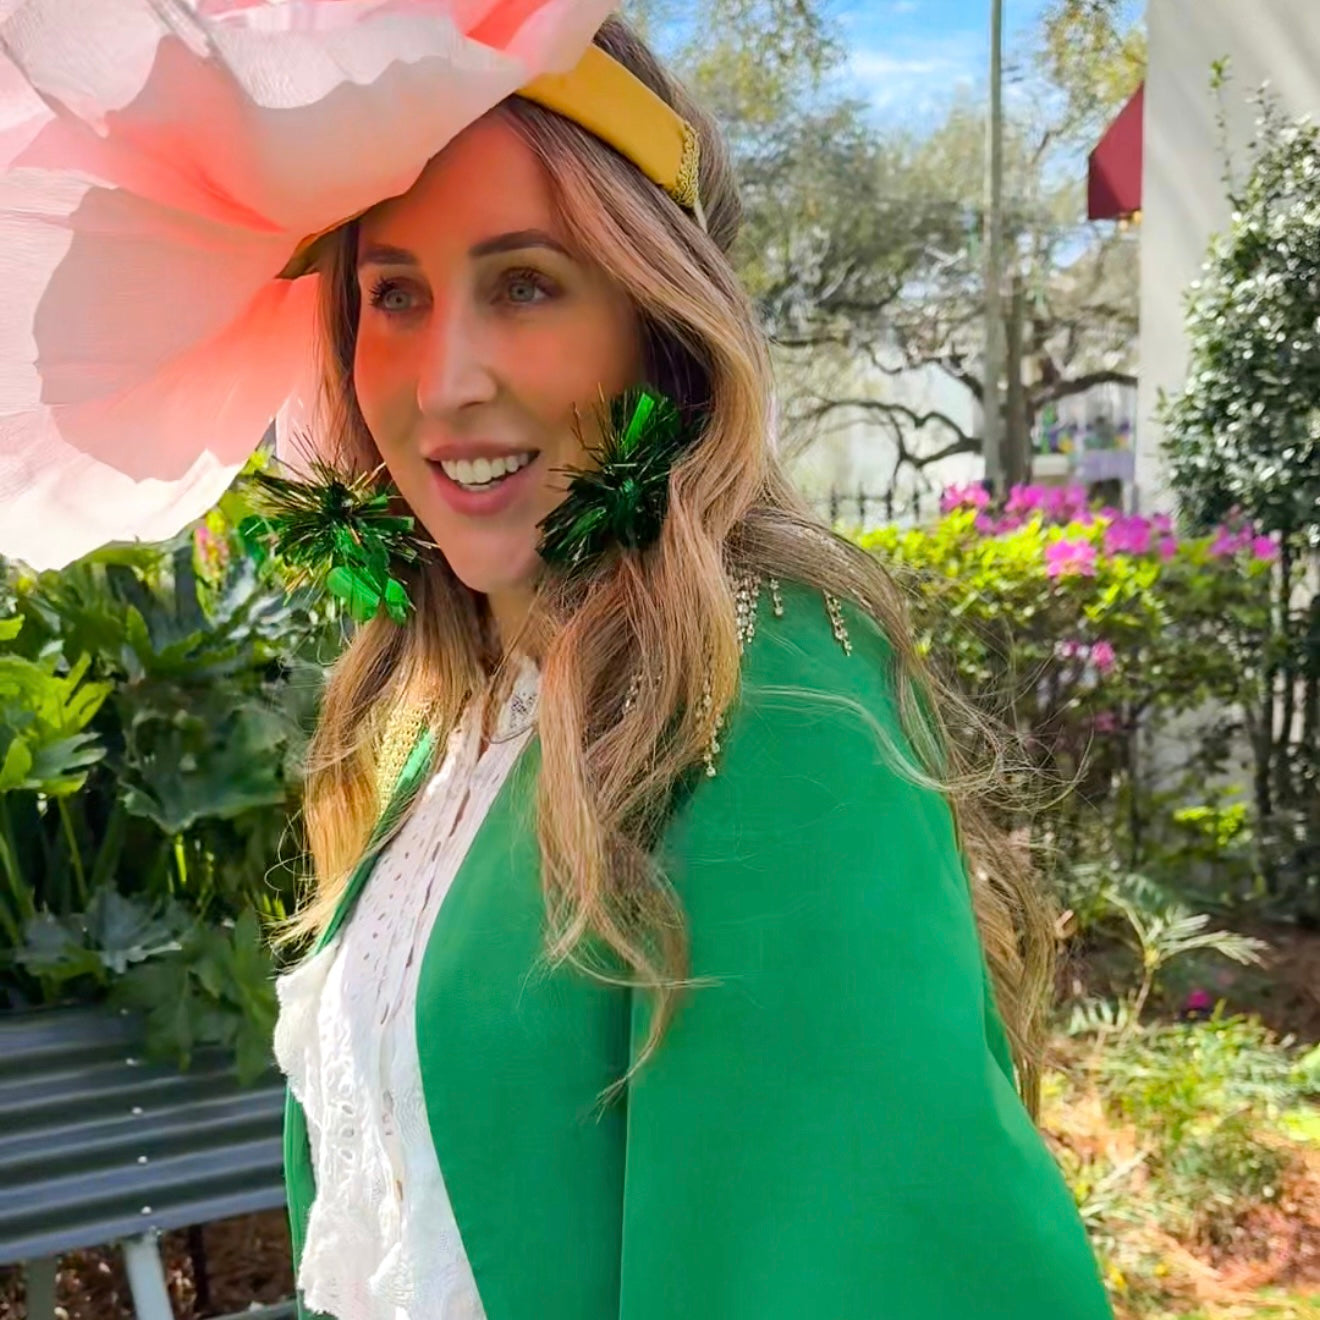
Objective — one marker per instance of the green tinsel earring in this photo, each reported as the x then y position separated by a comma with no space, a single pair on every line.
623,499
337,531
340,531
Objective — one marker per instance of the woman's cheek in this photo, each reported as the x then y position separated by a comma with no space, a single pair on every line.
383,393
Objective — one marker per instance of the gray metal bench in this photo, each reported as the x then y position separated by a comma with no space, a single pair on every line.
99,1146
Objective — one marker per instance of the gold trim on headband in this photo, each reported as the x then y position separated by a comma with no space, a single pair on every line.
611,102
616,106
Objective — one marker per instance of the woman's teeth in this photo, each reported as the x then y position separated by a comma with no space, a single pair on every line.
482,473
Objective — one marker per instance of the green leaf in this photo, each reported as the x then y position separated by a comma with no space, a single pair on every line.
16,764
125,931
180,780
356,590
54,950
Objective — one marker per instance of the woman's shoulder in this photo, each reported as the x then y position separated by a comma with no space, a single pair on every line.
816,712
813,643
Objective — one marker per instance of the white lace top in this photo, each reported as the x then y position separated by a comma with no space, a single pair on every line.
382,1242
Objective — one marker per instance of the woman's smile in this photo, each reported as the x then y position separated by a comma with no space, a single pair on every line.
481,487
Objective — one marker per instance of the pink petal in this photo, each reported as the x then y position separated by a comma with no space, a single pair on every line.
160,164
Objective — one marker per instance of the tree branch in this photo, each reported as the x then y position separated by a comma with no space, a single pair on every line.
1063,389
890,410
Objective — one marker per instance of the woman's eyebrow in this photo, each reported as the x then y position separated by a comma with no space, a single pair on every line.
384,254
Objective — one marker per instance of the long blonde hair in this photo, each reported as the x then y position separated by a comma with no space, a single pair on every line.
608,765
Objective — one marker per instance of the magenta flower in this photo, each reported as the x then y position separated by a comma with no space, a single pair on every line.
1070,649
1128,536
1104,721
1162,523
1025,499
1065,504
1264,547
1228,542
1066,557
1103,656
970,496
985,524
1168,547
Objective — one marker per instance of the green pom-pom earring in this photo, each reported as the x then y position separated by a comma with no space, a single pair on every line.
623,499
337,531
340,532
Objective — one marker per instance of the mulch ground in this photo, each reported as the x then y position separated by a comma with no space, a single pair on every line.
240,1261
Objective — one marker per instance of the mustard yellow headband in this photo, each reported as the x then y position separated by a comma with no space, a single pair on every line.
612,103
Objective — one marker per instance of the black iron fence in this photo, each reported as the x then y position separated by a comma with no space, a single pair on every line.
868,510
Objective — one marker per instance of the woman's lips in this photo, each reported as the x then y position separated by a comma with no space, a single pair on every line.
482,503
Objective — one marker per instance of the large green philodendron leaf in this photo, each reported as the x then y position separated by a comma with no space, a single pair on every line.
237,768
139,609
123,931
218,989
113,933
43,715
54,949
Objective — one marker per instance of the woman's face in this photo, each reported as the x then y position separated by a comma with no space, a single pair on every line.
479,334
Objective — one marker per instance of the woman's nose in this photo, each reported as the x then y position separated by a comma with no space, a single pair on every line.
457,368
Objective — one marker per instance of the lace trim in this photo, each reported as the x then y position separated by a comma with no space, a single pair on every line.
345,1040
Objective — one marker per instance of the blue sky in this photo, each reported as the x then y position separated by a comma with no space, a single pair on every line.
908,57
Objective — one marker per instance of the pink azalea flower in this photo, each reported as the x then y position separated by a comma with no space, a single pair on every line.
1105,721
1065,557
1162,523
1128,536
1025,499
1065,504
1103,656
1264,547
1228,542
1168,547
970,496
985,524
1069,650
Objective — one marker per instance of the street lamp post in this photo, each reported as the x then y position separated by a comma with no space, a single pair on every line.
991,409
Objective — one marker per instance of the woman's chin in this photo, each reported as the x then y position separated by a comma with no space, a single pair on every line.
511,573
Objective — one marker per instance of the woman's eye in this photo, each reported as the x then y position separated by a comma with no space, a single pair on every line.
390,296
522,287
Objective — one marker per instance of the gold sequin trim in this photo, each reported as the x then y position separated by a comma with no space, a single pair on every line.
402,729
836,622
685,185
746,596
634,690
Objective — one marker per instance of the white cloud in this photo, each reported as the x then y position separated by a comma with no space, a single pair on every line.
875,66
915,74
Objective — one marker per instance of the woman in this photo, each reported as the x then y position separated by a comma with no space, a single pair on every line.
667,962
827,1126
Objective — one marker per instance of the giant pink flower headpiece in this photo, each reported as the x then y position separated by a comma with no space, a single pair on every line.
159,164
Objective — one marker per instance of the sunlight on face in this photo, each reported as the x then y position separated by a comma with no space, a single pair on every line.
479,333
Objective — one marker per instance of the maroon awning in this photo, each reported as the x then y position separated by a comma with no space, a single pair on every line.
1113,183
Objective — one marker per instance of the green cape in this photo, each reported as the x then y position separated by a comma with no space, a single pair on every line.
831,1131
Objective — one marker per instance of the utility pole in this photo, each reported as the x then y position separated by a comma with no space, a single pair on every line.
993,422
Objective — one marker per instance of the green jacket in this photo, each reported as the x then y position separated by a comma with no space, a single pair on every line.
831,1131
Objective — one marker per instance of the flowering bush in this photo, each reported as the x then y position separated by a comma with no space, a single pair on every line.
1078,626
